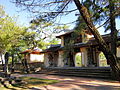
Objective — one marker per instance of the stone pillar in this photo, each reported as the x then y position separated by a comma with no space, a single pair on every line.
84,56
118,51
97,58
62,41
46,60
60,59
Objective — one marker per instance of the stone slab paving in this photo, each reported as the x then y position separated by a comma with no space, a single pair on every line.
75,83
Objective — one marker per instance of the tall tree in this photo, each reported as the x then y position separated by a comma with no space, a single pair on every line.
104,11
113,26
11,37
59,7
114,63
45,32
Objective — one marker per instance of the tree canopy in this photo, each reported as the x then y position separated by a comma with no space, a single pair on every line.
18,38
10,32
49,10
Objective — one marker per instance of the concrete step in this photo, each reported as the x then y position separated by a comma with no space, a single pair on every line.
82,72
82,75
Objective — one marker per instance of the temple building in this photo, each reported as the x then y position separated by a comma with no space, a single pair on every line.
79,51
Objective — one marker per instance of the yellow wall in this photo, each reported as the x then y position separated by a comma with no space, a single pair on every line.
36,57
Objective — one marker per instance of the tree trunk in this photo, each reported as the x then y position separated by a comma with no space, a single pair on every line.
102,44
27,66
72,63
12,67
6,63
2,62
19,56
113,27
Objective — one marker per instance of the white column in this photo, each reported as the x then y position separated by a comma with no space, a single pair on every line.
60,59
84,56
46,60
62,41
118,51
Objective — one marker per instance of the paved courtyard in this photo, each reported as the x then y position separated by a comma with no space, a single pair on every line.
75,83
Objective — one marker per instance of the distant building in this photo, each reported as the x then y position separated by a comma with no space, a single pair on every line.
33,55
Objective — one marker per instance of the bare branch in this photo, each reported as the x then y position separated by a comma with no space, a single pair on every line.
55,2
103,23
67,23
34,4
56,12
63,7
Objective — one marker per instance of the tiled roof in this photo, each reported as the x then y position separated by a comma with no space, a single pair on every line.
52,48
68,33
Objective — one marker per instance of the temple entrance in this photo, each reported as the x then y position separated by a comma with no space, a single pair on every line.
78,60
50,60
53,59
102,60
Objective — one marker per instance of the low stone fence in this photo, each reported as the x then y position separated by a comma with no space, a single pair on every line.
20,67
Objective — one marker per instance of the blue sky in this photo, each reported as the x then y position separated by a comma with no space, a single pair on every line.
24,16
12,11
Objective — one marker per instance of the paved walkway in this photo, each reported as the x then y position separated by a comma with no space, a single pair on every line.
75,83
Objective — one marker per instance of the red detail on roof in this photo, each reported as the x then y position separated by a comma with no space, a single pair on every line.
31,51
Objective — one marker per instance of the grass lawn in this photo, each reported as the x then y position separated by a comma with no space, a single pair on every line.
30,82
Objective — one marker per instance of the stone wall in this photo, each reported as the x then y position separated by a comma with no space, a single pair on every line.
20,67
